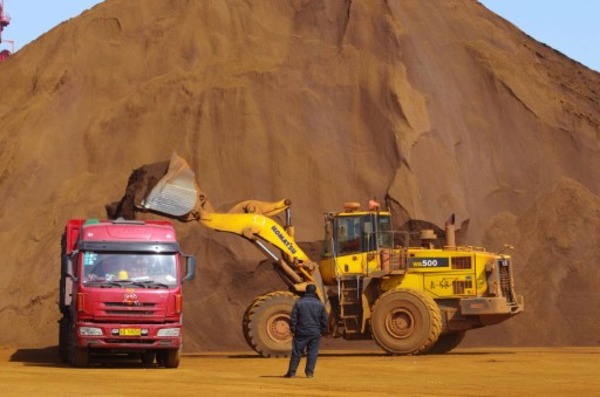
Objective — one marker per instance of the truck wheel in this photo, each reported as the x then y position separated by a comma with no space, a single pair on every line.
266,324
81,357
405,322
168,358
78,356
446,342
148,357
160,358
63,340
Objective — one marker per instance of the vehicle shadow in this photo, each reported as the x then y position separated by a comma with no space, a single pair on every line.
48,357
45,356
321,354
333,353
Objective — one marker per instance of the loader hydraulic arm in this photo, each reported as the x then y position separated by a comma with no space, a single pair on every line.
178,195
253,226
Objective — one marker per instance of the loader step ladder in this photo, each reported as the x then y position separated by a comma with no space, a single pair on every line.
350,297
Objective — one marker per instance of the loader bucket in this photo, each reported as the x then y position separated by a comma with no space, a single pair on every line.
175,193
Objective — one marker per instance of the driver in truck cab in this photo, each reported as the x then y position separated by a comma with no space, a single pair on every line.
114,270
109,269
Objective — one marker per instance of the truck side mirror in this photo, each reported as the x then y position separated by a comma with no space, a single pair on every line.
69,270
190,268
66,282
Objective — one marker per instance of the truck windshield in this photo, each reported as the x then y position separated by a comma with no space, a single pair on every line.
120,267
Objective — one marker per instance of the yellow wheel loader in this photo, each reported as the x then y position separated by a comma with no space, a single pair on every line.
409,299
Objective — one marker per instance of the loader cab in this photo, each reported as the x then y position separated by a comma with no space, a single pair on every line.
351,238
359,233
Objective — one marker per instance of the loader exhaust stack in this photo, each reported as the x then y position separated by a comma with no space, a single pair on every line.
450,232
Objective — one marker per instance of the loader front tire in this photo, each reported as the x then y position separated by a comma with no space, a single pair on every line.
405,322
266,324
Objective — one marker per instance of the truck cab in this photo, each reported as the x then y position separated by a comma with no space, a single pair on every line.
121,291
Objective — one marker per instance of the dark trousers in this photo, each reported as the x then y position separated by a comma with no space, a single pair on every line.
310,343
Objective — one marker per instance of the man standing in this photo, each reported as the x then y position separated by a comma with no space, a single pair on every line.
307,322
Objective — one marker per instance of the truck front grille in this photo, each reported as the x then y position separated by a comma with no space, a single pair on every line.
131,341
128,309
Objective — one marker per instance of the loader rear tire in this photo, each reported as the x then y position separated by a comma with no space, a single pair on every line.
405,322
447,342
266,324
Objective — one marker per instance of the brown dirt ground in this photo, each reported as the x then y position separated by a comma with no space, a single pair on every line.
464,372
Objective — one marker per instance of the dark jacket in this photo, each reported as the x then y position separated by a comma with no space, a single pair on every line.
309,317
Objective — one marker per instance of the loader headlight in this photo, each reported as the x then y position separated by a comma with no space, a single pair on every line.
168,332
90,331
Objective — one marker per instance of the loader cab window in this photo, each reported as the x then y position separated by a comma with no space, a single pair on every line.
385,237
347,235
362,233
354,234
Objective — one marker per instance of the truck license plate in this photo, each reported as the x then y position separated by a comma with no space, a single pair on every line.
130,332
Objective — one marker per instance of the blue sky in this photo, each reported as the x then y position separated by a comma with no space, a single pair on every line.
32,18
569,26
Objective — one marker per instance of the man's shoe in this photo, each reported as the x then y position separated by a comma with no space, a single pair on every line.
288,375
309,375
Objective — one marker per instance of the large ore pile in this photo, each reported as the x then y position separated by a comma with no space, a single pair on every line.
442,107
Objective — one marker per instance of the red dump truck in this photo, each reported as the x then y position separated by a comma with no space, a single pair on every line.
121,291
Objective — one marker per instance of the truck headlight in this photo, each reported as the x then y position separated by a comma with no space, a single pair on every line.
90,331
168,332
